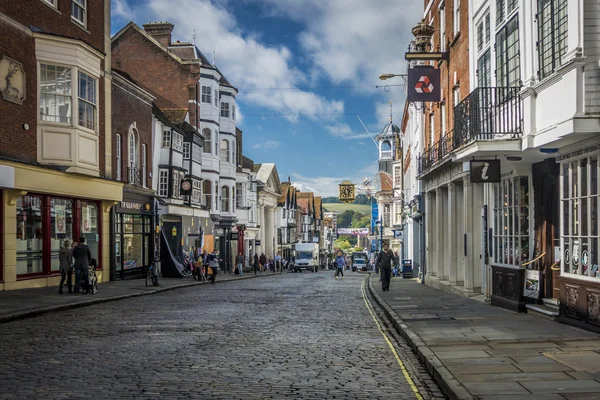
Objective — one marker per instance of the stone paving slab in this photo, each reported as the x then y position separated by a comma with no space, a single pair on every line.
476,351
25,303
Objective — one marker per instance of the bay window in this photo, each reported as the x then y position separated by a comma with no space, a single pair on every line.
196,153
508,72
87,101
206,94
166,139
207,140
224,110
579,217
197,192
552,35
239,190
225,199
163,182
187,150
511,221
177,142
224,150
207,191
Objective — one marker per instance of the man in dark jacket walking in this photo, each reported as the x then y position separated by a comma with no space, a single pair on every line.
82,257
255,263
385,260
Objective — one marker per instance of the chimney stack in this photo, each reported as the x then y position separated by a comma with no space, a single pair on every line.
161,31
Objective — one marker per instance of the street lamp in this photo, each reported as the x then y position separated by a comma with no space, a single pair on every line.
383,77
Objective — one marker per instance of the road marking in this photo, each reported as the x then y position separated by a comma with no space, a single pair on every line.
409,379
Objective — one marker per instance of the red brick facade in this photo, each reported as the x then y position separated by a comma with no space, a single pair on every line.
130,107
170,81
18,43
455,72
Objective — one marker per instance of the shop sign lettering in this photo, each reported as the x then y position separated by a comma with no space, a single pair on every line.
577,153
131,206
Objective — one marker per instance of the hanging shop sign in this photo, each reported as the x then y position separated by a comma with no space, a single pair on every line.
426,56
234,236
424,84
485,171
257,242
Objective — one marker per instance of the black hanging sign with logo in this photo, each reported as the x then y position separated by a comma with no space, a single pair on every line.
485,171
424,84
186,187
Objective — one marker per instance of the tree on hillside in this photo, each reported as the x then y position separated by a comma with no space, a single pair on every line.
331,200
344,220
362,199
361,221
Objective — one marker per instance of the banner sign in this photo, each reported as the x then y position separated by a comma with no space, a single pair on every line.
60,220
353,231
424,84
532,283
374,215
485,171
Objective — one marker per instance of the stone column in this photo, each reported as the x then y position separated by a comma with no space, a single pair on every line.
261,235
268,232
452,234
439,234
429,233
478,202
469,230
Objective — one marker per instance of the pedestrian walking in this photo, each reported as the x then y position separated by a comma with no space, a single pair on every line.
385,259
83,257
340,262
240,264
263,261
66,267
278,262
255,263
212,264
396,271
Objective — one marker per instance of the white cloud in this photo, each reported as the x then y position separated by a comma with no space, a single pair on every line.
267,145
344,131
240,55
353,40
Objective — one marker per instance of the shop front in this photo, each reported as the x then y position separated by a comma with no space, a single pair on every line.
44,209
579,280
133,236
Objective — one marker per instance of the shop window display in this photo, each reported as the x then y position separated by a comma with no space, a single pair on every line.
30,230
89,227
579,210
511,221
61,227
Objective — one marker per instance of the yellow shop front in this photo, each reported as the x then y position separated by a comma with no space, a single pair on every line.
43,207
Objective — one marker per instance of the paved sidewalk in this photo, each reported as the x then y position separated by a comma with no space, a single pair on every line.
25,303
476,351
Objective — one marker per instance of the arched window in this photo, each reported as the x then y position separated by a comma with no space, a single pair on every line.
207,190
207,140
225,199
386,149
224,150
133,162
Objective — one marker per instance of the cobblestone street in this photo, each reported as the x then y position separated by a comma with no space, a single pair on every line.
286,336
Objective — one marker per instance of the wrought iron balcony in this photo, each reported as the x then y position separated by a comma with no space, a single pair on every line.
488,113
134,176
435,153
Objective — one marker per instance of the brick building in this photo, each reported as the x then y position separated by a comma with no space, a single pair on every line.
55,141
132,220
144,56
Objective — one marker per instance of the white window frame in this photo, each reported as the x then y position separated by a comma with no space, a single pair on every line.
224,109
166,139
118,156
224,154
443,117
578,200
239,198
51,3
207,140
196,153
163,182
206,94
512,218
431,129
144,166
177,141
177,178
233,112
216,96
82,5
207,194
397,176
456,95
89,100
197,191
442,16
456,19
187,152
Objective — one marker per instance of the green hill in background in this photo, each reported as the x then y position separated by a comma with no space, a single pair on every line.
341,207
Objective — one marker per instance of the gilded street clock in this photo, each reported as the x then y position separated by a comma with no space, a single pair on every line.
346,192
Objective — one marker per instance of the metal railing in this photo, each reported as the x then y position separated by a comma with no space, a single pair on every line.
134,176
488,113
435,153
386,154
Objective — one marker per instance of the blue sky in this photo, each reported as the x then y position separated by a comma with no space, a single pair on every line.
305,70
